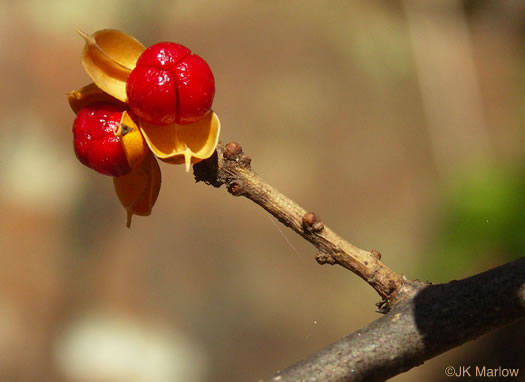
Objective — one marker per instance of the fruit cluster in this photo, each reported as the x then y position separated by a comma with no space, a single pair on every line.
143,104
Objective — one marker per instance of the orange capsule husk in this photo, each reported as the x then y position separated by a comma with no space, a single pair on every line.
138,191
88,95
132,140
178,144
108,57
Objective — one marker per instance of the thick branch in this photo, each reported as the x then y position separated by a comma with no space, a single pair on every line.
437,318
230,166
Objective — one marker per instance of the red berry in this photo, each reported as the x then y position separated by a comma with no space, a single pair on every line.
170,85
95,142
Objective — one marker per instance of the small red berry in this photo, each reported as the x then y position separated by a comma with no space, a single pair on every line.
170,85
95,142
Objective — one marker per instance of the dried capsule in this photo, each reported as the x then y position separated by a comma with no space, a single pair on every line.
178,144
138,190
108,57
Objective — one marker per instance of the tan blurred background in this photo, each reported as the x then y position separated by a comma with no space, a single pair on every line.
368,113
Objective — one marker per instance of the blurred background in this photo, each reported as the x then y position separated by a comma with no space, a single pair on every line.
400,123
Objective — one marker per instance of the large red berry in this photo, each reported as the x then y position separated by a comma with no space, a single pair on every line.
95,142
170,85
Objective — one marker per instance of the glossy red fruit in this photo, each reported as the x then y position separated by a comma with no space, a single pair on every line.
95,142
170,85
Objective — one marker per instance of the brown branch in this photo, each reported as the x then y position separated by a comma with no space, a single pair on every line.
422,320
231,167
